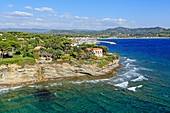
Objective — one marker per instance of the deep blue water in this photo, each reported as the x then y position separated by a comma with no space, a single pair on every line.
141,85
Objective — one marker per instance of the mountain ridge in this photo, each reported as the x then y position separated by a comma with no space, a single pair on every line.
118,31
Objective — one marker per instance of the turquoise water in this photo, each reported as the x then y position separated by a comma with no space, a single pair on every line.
142,84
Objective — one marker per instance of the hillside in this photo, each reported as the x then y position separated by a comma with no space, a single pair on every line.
119,31
111,32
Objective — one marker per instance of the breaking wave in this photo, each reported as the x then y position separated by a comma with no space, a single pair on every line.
122,85
140,78
134,88
130,73
90,81
6,89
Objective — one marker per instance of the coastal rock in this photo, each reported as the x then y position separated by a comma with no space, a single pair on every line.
14,74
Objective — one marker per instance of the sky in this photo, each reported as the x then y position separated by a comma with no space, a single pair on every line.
84,14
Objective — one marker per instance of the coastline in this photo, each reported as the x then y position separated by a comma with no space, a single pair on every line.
13,75
135,38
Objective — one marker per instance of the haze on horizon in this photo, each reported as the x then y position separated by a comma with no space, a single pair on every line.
85,14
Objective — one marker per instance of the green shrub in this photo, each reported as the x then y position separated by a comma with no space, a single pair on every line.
9,61
102,63
117,56
18,60
66,57
27,60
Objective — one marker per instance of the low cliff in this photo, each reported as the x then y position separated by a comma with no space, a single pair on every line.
14,74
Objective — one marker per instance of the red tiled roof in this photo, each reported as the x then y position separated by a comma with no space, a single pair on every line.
97,49
88,49
74,42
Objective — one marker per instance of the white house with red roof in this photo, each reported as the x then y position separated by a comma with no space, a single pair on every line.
74,44
97,51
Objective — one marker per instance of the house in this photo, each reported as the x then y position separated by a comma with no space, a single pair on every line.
74,44
44,57
88,49
21,39
4,39
96,51
38,48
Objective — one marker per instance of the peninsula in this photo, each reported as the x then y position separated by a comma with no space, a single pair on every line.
28,58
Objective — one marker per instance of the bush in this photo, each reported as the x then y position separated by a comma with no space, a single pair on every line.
27,60
18,60
102,63
66,57
117,56
9,61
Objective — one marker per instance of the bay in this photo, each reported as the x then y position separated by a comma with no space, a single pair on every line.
142,84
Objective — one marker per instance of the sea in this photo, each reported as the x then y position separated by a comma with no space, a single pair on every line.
140,85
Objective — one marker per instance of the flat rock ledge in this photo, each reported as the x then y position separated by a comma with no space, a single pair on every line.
13,74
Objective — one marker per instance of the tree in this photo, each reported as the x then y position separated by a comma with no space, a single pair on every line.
14,44
105,49
4,46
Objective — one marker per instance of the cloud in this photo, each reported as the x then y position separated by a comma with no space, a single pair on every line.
75,22
67,16
28,7
62,21
7,25
10,5
42,9
34,24
85,22
39,19
120,20
19,14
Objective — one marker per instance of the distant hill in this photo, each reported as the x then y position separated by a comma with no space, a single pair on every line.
81,32
25,30
136,32
119,31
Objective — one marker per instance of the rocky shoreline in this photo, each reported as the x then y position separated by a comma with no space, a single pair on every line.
13,74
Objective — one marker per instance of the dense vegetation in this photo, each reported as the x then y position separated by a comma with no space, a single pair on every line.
21,48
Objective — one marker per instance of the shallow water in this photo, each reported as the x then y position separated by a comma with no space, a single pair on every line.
142,84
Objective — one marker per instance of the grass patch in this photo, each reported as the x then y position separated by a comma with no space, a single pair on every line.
18,60
102,63
9,61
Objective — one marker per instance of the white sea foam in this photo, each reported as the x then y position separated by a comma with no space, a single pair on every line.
34,86
129,75
140,78
90,81
134,88
56,84
145,69
17,87
128,65
122,85
136,69
78,82
3,90
130,60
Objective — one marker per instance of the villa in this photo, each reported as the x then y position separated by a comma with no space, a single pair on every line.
21,39
96,51
74,44
44,57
